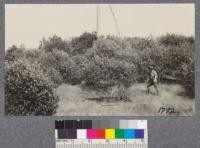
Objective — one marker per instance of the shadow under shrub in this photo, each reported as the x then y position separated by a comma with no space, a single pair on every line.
28,91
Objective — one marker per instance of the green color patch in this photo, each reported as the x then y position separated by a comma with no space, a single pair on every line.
119,134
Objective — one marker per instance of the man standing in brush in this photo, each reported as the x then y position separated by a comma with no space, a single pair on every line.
153,80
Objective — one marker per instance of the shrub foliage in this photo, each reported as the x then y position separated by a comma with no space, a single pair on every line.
27,90
97,62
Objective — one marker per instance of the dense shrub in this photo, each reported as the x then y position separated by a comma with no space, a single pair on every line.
105,62
57,43
175,40
53,64
105,47
188,79
14,53
48,63
73,73
61,68
114,60
54,75
28,91
83,42
104,70
33,54
141,43
180,59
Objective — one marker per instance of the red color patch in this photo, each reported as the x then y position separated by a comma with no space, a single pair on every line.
100,134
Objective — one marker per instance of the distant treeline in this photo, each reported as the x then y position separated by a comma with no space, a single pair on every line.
95,63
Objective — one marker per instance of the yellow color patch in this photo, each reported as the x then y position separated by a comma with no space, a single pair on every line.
110,133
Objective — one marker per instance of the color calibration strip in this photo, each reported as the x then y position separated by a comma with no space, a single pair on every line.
101,133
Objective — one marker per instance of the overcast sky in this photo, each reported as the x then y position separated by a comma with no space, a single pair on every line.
28,23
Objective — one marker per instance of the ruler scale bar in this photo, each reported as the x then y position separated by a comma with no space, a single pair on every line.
100,145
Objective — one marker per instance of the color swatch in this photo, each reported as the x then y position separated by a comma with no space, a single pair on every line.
119,133
91,134
99,129
129,134
109,133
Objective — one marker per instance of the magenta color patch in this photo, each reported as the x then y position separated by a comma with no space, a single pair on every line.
91,134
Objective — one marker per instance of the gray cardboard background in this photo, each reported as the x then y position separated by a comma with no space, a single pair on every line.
38,132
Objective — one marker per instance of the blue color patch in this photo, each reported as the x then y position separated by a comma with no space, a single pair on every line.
139,133
129,133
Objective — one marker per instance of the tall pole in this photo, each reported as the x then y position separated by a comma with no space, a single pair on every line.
115,20
98,17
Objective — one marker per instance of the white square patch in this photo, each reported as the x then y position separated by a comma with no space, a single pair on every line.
81,134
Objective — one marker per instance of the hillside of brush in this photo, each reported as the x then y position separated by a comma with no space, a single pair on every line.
91,66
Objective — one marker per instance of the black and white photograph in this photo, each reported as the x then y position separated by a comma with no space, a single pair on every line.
99,59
